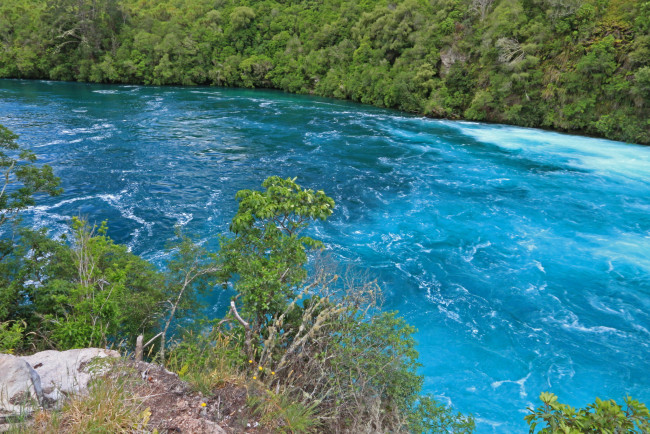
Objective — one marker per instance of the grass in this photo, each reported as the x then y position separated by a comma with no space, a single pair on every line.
209,362
206,365
281,414
113,404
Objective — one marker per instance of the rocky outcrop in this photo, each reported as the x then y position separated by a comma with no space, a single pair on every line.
63,373
169,403
43,379
449,56
20,387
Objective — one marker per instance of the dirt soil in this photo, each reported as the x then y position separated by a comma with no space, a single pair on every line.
175,408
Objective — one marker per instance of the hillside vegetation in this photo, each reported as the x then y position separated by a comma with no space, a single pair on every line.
574,65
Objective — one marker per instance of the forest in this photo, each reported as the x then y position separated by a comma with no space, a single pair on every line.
570,65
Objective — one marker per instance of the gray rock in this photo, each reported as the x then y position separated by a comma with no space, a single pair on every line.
65,373
20,387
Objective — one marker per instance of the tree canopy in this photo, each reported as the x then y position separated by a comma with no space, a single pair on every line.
268,254
574,65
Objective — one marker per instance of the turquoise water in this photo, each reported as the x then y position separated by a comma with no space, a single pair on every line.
523,256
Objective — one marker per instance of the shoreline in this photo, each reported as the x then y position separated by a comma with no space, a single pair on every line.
580,133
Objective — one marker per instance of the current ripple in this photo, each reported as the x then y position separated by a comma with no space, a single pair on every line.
521,255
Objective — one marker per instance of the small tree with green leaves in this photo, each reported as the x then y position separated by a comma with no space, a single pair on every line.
21,180
266,258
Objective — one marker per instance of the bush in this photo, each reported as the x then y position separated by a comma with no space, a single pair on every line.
600,417
320,340
11,335
333,348
91,292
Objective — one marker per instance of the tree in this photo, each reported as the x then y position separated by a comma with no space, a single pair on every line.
86,25
266,257
241,17
21,178
320,339
482,7
509,50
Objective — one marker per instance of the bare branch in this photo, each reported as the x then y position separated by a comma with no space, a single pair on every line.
237,316
249,337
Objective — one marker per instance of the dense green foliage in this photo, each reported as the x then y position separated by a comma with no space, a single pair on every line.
599,417
21,178
76,291
267,253
577,65
310,336
79,292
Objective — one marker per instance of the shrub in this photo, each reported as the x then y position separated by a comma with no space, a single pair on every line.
11,335
599,417
320,340
92,292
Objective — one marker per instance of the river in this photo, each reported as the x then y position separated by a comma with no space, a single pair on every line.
522,256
